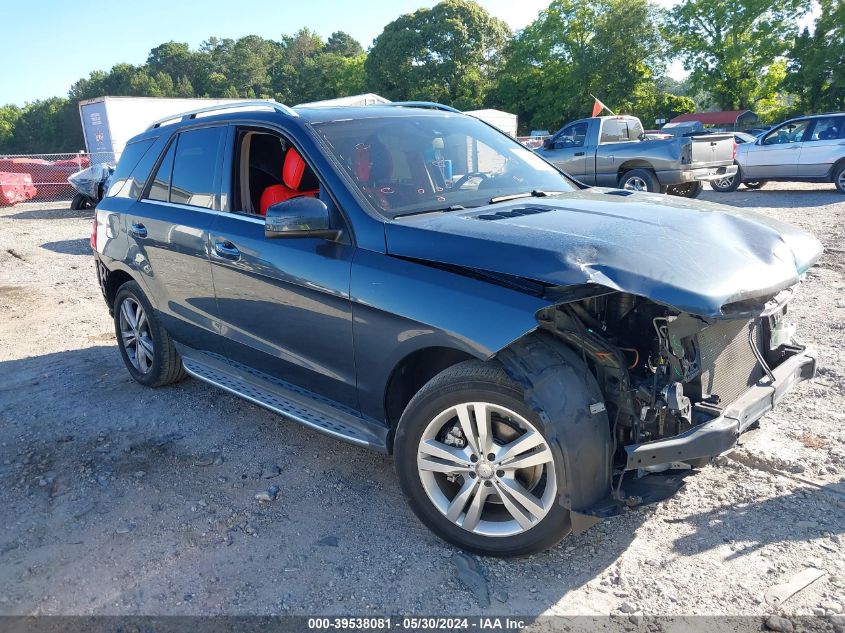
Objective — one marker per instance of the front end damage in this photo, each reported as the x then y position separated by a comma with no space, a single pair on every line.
680,388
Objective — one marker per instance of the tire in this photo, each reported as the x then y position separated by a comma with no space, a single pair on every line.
687,190
165,366
639,180
430,420
79,202
755,184
839,177
727,185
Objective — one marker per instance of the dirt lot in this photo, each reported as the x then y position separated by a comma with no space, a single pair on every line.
118,499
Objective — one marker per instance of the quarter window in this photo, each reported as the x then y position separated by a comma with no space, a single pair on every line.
129,159
194,167
160,187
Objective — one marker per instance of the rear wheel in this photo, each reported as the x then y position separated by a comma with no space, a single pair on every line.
839,177
754,184
639,180
147,349
476,465
686,190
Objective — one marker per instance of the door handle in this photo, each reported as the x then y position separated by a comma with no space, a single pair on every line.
226,250
795,147
579,153
138,230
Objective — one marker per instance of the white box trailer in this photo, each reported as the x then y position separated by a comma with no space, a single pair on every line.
109,122
505,121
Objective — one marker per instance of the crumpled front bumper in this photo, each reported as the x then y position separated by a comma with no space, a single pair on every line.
720,434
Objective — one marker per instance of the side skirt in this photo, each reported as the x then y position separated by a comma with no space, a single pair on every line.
287,400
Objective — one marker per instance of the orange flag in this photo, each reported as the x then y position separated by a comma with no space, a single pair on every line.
598,106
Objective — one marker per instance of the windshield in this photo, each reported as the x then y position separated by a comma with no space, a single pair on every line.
409,164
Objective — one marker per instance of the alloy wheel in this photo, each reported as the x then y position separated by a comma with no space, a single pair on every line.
635,184
724,183
487,469
135,335
840,181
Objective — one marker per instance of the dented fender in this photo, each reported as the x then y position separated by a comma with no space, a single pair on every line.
565,395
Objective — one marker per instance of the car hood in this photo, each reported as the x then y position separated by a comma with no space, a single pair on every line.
689,254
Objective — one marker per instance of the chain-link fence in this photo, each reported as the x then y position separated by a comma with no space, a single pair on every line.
25,177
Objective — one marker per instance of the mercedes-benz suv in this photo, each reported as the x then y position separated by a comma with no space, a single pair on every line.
412,280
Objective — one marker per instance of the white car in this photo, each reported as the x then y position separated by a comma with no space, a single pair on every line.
805,149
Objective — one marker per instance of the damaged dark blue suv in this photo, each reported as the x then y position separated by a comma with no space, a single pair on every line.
412,280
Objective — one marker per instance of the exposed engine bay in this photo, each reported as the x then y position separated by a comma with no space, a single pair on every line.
664,372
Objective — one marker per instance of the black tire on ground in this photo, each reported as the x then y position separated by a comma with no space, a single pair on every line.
470,382
726,185
839,177
639,180
166,367
78,202
755,184
687,190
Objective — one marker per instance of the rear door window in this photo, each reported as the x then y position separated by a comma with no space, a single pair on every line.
195,167
827,129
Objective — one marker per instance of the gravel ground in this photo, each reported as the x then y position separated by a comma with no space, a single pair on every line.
118,499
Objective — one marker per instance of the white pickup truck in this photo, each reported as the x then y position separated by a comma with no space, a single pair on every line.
610,151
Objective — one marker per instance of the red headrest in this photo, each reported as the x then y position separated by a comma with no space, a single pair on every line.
361,163
372,161
293,169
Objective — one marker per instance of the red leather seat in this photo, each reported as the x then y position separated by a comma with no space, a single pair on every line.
298,179
372,165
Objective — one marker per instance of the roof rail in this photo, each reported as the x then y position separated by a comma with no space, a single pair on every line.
430,105
187,116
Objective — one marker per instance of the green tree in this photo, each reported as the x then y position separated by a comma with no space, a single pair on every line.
731,46
816,69
9,117
449,53
344,44
652,104
51,125
609,48
296,52
175,59
330,75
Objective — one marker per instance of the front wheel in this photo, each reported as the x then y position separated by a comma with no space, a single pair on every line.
476,464
727,184
147,349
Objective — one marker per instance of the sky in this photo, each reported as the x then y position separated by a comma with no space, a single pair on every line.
49,49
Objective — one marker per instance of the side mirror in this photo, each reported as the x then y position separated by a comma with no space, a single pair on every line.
304,216
547,143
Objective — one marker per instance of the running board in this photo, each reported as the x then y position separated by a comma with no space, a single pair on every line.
316,415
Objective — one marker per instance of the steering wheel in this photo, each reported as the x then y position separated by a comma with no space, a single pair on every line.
460,182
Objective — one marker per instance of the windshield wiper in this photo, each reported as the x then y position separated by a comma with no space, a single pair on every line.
451,207
536,193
